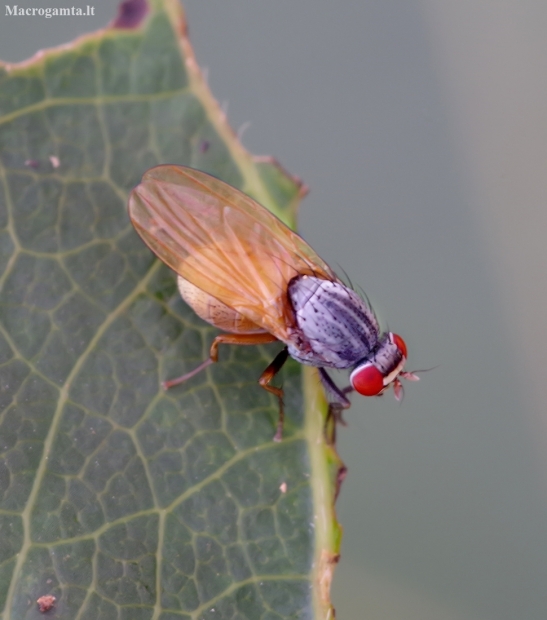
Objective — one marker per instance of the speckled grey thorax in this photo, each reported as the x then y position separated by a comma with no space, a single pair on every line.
337,328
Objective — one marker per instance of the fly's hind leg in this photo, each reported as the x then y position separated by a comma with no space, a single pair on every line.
239,339
265,379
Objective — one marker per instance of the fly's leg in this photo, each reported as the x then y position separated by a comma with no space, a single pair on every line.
335,415
172,382
240,339
338,400
341,401
264,381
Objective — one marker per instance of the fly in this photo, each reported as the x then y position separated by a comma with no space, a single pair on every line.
245,272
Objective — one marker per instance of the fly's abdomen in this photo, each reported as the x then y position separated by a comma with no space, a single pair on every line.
214,311
336,326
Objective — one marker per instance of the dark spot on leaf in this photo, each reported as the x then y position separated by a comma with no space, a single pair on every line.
130,13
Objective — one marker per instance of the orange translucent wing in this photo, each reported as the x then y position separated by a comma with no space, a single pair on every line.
224,243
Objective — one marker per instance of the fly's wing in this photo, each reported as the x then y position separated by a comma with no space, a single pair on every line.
224,243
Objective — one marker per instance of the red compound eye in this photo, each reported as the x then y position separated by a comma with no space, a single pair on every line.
399,343
367,380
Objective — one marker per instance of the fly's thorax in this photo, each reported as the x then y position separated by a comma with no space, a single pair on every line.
334,327
215,312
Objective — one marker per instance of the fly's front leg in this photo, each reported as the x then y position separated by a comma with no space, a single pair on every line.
265,379
338,400
238,339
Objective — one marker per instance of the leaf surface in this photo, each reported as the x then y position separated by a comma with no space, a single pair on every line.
123,501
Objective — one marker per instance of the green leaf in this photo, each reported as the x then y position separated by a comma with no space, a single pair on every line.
119,499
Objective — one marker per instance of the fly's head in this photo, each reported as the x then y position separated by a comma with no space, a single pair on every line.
385,367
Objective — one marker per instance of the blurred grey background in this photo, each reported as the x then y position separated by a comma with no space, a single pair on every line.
420,127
